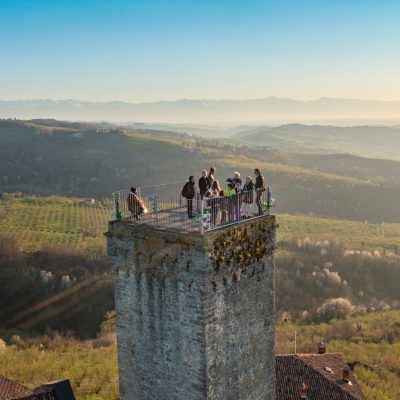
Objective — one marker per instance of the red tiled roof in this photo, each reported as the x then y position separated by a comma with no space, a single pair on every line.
10,390
42,395
322,373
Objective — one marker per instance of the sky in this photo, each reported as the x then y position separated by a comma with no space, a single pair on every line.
143,51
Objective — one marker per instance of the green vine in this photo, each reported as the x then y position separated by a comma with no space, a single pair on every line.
242,245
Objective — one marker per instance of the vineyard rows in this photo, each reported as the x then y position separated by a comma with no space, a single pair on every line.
37,221
77,223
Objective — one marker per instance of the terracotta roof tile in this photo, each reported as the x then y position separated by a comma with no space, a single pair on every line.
9,389
322,373
42,395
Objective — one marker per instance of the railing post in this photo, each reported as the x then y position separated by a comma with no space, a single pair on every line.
155,206
201,217
114,210
116,213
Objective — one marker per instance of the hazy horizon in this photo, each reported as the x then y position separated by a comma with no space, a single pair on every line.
263,111
177,99
144,51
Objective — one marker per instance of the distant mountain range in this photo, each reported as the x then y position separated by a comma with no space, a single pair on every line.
369,141
271,110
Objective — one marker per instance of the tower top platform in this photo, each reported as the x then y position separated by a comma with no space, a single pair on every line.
164,207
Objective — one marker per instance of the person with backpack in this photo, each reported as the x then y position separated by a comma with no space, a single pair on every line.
135,204
188,192
260,189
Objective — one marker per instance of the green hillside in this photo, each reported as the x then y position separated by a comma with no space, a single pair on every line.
54,251
51,157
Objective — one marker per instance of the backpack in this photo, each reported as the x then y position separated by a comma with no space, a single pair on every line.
184,192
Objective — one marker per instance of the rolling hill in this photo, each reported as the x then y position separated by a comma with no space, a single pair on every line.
53,251
42,157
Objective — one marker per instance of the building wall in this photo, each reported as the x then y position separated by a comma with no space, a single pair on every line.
195,314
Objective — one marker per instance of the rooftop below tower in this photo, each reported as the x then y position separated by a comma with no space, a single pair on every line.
169,207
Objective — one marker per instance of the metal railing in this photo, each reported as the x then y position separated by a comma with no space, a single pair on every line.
220,211
164,206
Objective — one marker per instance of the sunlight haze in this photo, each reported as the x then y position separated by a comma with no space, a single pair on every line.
140,51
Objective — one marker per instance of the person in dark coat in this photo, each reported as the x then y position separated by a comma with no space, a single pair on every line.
203,184
135,205
188,192
260,189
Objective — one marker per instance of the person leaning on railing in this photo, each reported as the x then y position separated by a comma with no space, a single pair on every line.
260,189
188,192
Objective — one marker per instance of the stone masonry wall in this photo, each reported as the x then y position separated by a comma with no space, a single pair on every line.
195,313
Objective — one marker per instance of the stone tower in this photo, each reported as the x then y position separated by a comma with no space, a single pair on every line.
195,312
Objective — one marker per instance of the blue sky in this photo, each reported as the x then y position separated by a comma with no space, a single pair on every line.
160,50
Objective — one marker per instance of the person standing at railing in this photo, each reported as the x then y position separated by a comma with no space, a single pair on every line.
211,176
188,192
222,201
213,202
232,200
215,188
247,197
203,184
237,182
238,188
135,205
260,189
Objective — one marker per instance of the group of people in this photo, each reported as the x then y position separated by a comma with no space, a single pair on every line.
224,205
230,205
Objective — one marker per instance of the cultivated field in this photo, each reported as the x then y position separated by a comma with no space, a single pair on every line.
38,221
77,223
